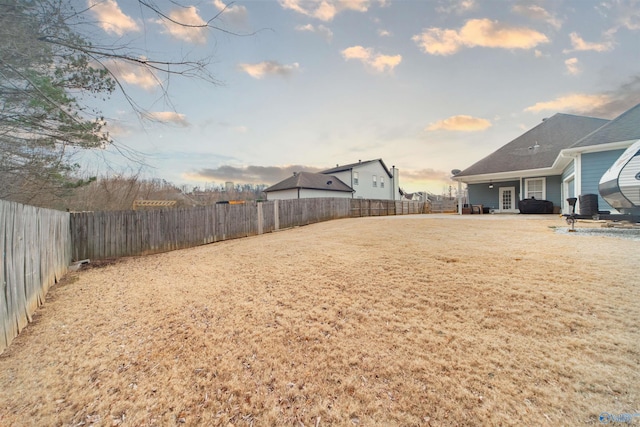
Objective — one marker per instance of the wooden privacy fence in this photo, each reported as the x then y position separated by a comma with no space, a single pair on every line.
102,235
36,251
368,207
444,205
39,244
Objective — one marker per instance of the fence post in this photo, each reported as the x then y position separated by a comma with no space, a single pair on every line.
276,217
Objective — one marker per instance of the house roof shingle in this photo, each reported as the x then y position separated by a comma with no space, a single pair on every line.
625,127
537,148
313,181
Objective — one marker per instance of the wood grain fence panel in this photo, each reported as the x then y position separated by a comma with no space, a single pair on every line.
127,233
5,323
36,251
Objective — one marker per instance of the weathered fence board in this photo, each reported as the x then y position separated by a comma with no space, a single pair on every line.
36,251
102,235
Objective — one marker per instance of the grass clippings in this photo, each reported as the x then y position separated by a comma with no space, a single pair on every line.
419,320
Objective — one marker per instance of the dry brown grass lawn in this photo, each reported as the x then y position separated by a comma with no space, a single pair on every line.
376,321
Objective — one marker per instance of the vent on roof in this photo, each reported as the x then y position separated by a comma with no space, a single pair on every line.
295,173
329,182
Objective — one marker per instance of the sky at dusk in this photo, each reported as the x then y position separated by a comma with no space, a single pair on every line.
426,85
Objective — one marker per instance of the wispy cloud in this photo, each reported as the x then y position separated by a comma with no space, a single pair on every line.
572,66
236,14
579,44
375,61
250,174
111,18
194,30
167,117
478,33
319,29
607,104
325,10
574,103
538,13
625,13
428,174
460,123
269,68
384,33
619,99
456,6
133,74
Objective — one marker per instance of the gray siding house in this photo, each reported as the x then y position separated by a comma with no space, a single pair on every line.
370,179
304,185
564,156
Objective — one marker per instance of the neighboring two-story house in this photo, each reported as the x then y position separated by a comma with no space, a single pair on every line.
369,179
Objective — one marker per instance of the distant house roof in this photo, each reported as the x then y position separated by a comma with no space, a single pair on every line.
350,166
625,127
312,181
537,148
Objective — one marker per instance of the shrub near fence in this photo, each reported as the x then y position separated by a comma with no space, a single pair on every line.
36,251
102,235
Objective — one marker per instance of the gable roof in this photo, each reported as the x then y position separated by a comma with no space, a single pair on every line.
312,181
353,165
537,148
625,127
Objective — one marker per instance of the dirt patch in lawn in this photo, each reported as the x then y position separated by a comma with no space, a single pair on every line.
420,320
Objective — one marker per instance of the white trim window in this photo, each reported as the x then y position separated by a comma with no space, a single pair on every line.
535,188
375,181
355,178
382,182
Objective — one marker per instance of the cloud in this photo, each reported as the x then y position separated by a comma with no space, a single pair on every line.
132,73
460,123
619,99
384,33
266,68
111,18
235,13
325,10
536,12
167,117
320,29
607,105
631,18
456,6
478,32
195,30
117,128
572,66
371,59
575,103
240,129
250,174
578,44
428,174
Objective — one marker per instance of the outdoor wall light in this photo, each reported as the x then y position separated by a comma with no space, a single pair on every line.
490,184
